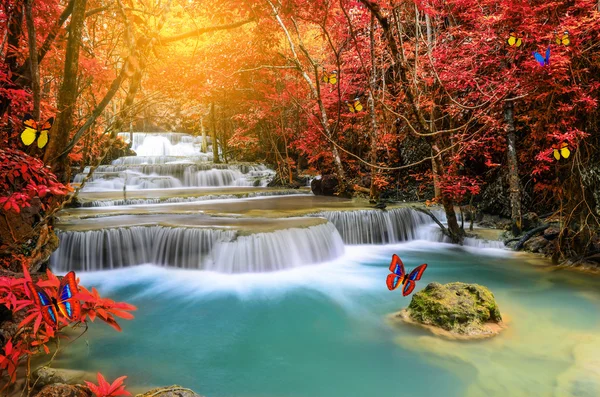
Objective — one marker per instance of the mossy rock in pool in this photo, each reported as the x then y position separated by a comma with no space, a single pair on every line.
462,310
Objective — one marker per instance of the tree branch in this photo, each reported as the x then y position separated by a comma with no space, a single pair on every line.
197,32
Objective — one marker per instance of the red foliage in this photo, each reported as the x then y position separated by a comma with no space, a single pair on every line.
105,389
33,334
23,178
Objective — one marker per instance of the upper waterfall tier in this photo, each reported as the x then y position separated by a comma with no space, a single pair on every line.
171,160
164,143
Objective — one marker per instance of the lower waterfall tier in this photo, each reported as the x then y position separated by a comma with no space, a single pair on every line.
220,250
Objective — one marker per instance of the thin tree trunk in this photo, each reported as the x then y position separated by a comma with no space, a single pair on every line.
436,181
33,60
455,231
373,193
15,24
67,97
513,168
213,134
204,141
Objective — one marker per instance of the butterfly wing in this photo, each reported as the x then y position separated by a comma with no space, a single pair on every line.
519,42
409,286
397,268
350,107
417,272
393,281
538,57
67,304
565,152
28,136
48,124
333,79
547,59
566,40
556,154
358,106
512,40
43,301
43,139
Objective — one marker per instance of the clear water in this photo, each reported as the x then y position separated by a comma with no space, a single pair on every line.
320,331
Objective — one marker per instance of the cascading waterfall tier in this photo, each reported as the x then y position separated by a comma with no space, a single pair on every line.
376,226
222,196
171,160
218,250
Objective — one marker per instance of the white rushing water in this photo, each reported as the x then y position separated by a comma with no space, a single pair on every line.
170,160
196,248
175,160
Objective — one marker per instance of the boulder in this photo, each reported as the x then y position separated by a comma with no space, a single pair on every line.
551,233
170,391
459,310
47,376
327,185
62,390
536,244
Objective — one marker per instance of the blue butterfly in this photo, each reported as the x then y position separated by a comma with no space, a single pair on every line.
541,60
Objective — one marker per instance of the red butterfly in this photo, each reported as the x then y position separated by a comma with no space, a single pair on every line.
399,276
64,303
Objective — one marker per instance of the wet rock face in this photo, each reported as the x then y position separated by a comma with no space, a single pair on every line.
62,390
170,391
463,309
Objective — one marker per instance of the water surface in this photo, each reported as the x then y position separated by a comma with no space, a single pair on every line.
320,331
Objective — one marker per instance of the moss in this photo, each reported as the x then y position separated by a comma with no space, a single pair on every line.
456,307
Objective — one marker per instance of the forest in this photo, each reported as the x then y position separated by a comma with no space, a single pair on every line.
479,117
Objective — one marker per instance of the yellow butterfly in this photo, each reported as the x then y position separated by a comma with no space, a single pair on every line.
561,150
513,40
355,106
330,78
563,39
33,131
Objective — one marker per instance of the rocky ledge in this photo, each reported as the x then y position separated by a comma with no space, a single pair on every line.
455,310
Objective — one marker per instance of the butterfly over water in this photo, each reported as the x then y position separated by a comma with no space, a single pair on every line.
513,40
543,61
355,106
65,304
563,39
399,277
330,78
561,150
33,130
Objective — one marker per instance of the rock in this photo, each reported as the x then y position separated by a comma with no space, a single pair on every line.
327,185
461,310
536,244
47,376
170,391
530,221
62,390
551,233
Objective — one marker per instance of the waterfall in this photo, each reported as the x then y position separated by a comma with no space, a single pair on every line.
134,201
433,233
139,160
196,248
377,226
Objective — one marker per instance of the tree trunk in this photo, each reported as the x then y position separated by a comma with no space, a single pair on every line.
373,193
213,134
455,231
15,24
204,140
33,60
67,97
513,168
